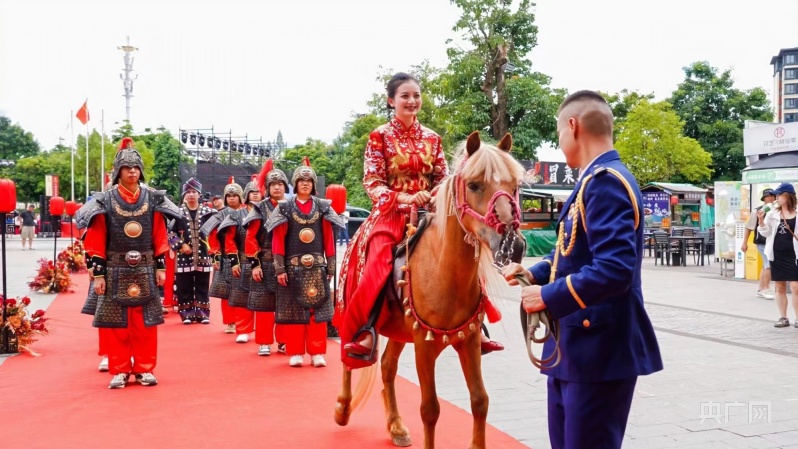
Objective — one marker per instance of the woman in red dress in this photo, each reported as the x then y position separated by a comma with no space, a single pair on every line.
403,162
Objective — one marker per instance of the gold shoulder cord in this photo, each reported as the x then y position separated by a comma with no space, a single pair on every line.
580,207
579,204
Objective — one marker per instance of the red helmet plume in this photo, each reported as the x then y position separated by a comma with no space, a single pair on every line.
261,181
126,142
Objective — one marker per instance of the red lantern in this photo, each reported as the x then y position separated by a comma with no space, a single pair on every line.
56,206
674,200
71,208
337,193
8,196
710,201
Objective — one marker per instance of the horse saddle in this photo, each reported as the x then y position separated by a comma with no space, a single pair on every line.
392,293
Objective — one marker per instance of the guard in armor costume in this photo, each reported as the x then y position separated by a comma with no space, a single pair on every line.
194,263
258,248
223,273
126,240
303,244
234,234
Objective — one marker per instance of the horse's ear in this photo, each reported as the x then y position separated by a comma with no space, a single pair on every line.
473,143
506,144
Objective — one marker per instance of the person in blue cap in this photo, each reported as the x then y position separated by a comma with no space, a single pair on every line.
591,284
781,248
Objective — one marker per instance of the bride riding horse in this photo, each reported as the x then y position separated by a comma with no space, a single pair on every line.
443,286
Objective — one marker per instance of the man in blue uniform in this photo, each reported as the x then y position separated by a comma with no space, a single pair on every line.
591,284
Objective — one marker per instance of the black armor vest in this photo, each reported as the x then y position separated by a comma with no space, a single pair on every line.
304,234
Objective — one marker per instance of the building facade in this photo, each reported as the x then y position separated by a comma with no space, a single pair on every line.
785,85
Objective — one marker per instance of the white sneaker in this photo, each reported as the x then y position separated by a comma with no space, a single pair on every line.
318,361
103,368
768,294
230,329
296,360
265,350
146,379
242,338
118,381
760,294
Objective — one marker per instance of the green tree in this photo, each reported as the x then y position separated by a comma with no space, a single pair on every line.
501,37
317,151
124,130
347,157
714,113
651,143
166,166
623,102
15,142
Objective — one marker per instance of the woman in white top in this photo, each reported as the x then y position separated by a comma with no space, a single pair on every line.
781,248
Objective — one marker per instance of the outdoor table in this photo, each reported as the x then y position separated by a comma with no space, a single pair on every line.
683,239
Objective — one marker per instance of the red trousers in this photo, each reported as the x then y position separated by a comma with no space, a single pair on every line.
136,341
105,337
262,323
168,285
228,313
305,338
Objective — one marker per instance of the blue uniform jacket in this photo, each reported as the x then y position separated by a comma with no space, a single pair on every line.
596,294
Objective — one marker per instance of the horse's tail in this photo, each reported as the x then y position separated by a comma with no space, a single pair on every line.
364,385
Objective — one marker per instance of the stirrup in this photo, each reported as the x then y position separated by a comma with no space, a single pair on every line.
370,356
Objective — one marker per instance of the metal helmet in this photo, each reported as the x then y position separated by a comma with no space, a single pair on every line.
251,186
269,175
127,156
233,189
306,173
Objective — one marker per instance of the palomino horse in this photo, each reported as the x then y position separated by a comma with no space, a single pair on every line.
477,217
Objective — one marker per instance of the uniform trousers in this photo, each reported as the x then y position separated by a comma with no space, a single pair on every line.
305,338
588,415
135,341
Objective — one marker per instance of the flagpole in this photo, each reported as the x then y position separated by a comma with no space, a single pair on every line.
87,160
72,151
102,150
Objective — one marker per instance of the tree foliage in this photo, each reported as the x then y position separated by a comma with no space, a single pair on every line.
714,113
15,142
491,86
623,102
166,164
651,144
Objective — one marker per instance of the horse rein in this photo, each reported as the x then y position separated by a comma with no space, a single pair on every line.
530,322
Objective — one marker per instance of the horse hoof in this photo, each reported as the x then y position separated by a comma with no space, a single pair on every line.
341,414
401,440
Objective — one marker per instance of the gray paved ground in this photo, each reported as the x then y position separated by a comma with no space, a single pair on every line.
722,355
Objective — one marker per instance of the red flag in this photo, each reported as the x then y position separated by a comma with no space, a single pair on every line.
83,113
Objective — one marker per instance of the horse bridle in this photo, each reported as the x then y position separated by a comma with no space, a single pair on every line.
530,322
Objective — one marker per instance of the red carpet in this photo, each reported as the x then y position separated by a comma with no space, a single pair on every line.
212,393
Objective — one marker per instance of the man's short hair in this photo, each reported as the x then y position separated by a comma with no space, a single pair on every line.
595,113
583,95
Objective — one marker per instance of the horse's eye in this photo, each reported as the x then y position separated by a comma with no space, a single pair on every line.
472,186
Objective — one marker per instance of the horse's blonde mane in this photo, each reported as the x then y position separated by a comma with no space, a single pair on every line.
488,164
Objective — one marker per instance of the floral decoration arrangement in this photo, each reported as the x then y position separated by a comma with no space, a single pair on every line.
52,277
20,326
73,257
